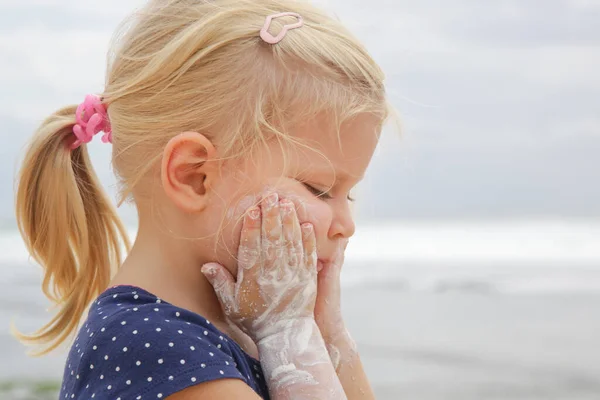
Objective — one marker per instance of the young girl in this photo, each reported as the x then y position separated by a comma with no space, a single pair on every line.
238,130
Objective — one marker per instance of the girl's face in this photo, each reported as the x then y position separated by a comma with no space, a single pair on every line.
319,184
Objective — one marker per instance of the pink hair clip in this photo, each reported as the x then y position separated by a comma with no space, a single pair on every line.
267,37
91,117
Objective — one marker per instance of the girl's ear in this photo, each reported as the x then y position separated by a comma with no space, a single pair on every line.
188,169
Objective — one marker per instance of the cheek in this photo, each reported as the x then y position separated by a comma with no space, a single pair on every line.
309,208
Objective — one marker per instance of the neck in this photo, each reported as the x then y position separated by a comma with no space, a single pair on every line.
165,266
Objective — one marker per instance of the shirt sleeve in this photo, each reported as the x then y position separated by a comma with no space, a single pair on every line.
154,356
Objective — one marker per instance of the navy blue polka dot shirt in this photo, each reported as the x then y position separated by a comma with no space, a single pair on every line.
135,346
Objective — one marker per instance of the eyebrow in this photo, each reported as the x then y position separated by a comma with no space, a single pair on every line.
340,176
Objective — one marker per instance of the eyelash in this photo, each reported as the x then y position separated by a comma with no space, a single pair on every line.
321,194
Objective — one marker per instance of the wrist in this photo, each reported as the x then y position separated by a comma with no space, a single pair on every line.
341,348
285,329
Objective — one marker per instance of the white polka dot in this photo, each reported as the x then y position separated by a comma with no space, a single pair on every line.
189,323
93,395
147,345
160,360
158,300
158,329
128,382
106,357
205,333
180,332
258,376
101,377
118,398
91,334
171,344
207,322
106,316
115,296
77,377
149,379
221,337
167,320
182,362
138,398
156,309
72,373
136,297
87,386
91,366
73,396
134,292
226,362
102,330
211,354
145,319
193,379
177,314
221,372
123,322
203,365
124,349
218,346
135,332
138,363
135,308
109,387
119,304
192,348
114,338
118,369
159,395
171,378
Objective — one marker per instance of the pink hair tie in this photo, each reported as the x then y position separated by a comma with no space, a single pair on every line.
91,118
267,37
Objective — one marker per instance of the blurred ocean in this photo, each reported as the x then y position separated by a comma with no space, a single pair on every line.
440,310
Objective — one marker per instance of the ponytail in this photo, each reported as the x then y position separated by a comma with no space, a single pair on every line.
69,226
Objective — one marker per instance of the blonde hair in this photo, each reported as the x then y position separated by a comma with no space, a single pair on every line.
175,66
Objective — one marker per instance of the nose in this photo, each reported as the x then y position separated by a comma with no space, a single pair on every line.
342,224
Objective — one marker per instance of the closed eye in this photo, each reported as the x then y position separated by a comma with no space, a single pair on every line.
322,194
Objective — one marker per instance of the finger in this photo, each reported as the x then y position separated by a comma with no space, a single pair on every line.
223,284
249,250
301,209
271,235
292,237
309,243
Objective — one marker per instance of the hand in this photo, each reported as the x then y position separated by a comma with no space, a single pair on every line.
277,275
328,310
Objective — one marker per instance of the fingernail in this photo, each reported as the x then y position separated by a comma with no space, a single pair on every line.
254,213
271,200
209,270
307,229
287,206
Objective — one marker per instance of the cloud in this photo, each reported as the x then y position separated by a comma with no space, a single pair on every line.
498,99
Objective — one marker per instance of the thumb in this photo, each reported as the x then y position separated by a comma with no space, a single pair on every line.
222,282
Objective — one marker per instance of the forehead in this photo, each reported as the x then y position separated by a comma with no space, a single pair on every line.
348,151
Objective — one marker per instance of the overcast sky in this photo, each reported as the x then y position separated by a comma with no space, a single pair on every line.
500,100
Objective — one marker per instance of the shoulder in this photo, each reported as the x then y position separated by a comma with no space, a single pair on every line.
152,347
